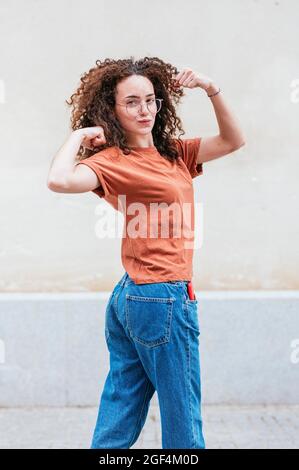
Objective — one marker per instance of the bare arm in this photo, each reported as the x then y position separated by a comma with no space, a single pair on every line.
65,176
230,137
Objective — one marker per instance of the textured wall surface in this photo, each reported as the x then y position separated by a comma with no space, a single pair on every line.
247,201
54,351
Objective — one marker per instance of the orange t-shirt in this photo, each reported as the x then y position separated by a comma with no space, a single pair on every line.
156,197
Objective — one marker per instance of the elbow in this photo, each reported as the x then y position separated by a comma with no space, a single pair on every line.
56,186
238,145
241,141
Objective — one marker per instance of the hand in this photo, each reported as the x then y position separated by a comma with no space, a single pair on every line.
189,79
91,136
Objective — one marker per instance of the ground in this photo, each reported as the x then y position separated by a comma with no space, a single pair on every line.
225,426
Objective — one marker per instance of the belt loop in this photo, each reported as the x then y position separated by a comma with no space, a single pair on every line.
123,279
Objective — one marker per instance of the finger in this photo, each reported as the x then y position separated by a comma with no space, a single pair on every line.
177,76
181,80
98,140
187,75
188,81
87,143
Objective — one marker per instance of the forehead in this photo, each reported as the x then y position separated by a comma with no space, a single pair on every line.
135,85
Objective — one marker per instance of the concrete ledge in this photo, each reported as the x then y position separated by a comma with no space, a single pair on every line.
53,350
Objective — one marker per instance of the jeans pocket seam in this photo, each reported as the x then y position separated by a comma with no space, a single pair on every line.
193,322
164,338
143,298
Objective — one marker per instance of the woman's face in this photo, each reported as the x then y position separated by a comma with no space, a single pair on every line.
136,89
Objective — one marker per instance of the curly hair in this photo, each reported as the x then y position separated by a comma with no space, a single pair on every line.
94,100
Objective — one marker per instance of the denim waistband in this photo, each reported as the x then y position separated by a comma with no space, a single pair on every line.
126,280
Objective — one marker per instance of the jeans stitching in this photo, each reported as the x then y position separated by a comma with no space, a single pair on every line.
189,376
163,339
141,298
195,324
115,301
141,412
186,306
109,303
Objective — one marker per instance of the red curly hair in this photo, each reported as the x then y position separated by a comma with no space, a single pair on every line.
94,100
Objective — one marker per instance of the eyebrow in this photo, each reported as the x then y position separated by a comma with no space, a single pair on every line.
135,96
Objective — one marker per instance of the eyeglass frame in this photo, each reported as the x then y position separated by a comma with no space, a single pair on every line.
140,104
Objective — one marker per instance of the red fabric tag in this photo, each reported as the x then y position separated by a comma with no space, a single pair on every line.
191,291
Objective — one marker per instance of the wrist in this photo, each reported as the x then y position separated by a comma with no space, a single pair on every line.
78,134
213,88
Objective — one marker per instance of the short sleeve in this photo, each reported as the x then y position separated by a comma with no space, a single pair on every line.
188,150
100,165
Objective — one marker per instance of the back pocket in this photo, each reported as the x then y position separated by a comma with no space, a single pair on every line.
149,319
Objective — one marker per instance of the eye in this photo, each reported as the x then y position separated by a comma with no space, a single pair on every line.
150,100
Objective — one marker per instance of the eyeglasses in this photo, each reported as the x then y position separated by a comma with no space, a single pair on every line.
134,106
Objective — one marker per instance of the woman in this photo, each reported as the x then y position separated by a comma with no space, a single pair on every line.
124,124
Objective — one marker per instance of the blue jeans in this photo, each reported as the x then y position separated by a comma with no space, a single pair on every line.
152,334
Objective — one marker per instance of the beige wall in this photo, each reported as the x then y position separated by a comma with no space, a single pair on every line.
248,200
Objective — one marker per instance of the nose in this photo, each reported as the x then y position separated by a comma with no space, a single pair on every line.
143,106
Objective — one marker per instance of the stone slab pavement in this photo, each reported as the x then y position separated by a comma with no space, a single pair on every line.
225,427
